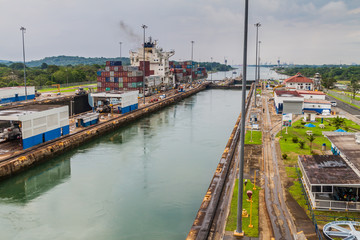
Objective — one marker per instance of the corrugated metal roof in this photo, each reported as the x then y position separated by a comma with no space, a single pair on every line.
328,169
346,144
310,92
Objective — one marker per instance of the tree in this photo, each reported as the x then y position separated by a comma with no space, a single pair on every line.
338,122
354,87
44,66
328,82
17,66
311,138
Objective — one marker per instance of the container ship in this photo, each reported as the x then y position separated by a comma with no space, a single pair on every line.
160,73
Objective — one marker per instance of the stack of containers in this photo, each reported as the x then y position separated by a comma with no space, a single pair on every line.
183,70
119,78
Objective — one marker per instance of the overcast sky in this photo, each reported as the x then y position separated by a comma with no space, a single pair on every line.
296,31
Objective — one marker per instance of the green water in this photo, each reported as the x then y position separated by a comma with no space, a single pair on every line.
144,181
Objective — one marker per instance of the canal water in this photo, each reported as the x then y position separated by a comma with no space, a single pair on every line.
144,181
265,73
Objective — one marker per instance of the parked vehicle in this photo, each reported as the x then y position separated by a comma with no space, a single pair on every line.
333,103
80,91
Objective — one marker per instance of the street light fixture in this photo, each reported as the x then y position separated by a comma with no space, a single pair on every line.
144,27
120,50
23,30
257,25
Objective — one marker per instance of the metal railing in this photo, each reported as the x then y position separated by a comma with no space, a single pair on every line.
344,97
337,205
313,218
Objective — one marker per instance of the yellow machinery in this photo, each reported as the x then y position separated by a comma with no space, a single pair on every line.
58,87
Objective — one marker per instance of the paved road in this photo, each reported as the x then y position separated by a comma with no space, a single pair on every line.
281,222
344,106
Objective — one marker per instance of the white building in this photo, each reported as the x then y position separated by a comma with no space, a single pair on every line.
127,101
158,58
288,102
299,82
317,105
14,94
312,94
39,123
332,182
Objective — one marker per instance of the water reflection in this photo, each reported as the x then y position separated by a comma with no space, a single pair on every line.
30,185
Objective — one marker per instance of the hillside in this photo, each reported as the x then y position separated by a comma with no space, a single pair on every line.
74,60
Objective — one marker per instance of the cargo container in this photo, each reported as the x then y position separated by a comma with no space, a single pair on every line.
87,119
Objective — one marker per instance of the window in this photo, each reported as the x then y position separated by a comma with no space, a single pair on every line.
327,189
316,189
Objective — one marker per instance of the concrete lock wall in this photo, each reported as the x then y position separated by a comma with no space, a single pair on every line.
46,151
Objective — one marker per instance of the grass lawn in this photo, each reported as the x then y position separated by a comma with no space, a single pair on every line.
293,150
322,217
232,219
256,137
65,89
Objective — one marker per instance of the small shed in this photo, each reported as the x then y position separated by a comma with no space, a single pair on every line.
127,101
309,115
39,123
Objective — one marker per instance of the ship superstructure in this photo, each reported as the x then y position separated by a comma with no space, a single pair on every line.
156,64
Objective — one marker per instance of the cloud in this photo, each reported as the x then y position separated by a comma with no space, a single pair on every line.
355,11
334,8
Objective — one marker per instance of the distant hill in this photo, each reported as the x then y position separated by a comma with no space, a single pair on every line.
4,61
74,60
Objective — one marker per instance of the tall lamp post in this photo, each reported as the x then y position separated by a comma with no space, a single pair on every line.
144,27
22,29
259,63
257,25
192,64
239,231
120,50
211,68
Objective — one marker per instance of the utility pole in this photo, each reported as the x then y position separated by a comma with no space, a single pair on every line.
144,27
259,63
239,231
120,50
257,25
192,64
22,29
211,68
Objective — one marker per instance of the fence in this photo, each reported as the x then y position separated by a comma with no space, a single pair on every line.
65,85
313,217
344,97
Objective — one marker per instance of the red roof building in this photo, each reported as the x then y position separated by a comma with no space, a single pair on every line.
299,82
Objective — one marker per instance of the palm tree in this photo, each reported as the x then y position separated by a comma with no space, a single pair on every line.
338,122
311,138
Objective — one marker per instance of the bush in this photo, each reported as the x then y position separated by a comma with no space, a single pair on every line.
284,156
303,123
295,139
301,144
